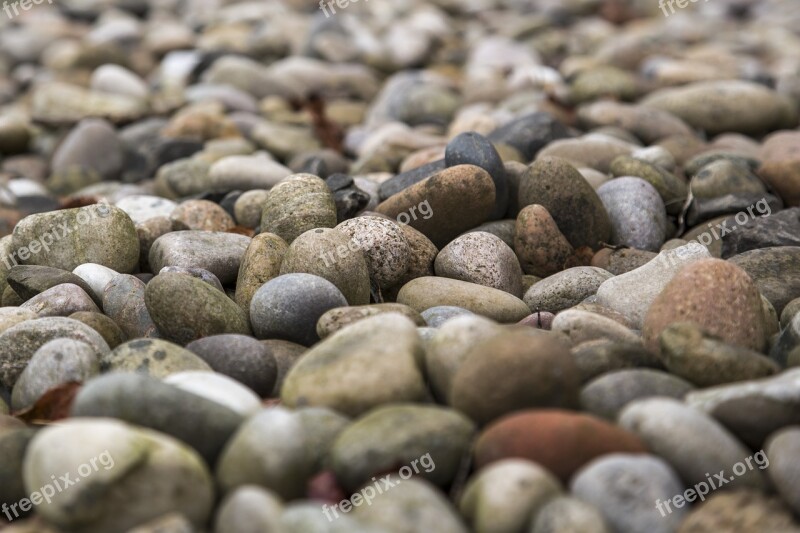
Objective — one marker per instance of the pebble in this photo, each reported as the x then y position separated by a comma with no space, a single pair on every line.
288,307
435,317
779,161
124,303
299,203
582,326
102,324
624,488
170,476
426,292
725,106
689,353
672,189
61,300
19,343
279,450
607,395
692,442
774,271
575,207
58,362
472,148
566,514
246,173
249,508
637,213
154,357
649,124
383,245
185,308
260,263
523,369
341,317
633,293
561,441
107,237
530,133
541,247
593,152
445,205
82,146
219,253
481,258
430,442
528,488
752,410
781,450
239,357
217,388
355,354
736,510
144,401
247,208
565,289
201,215
141,208
717,296
766,231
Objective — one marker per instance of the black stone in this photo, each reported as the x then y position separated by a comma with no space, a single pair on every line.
241,358
405,180
778,229
472,148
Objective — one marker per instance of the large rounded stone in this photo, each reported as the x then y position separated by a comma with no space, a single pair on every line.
383,244
780,166
776,272
124,303
472,148
61,300
567,514
716,295
240,357
565,289
219,253
482,258
137,475
185,309
332,255
560,441
554,184
20,342
514,371
426,292
261,262
541,247
64,239
289,306
155,357
297,204
637,213
147,402
446,204
357,355
341,317
430,442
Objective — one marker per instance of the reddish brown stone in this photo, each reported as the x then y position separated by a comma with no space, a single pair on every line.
561,441
781,165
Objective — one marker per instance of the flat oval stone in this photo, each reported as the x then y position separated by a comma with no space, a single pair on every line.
186,309
61,300
648,124
18,343
472,148
261,262
246,172
577,210
582,326
565,289
240,357
55,363
637,213
142,208
481,258
28,281
107,237
775,271
689,353
716,295
154,357
356,354
725,106
561,441
593,152
426,292
219,253
404,435
299,203
606,395
692,442
341,317
144,401
289,307
606,482
456,200
517,370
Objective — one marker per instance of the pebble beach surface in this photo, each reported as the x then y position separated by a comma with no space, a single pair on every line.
400,266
